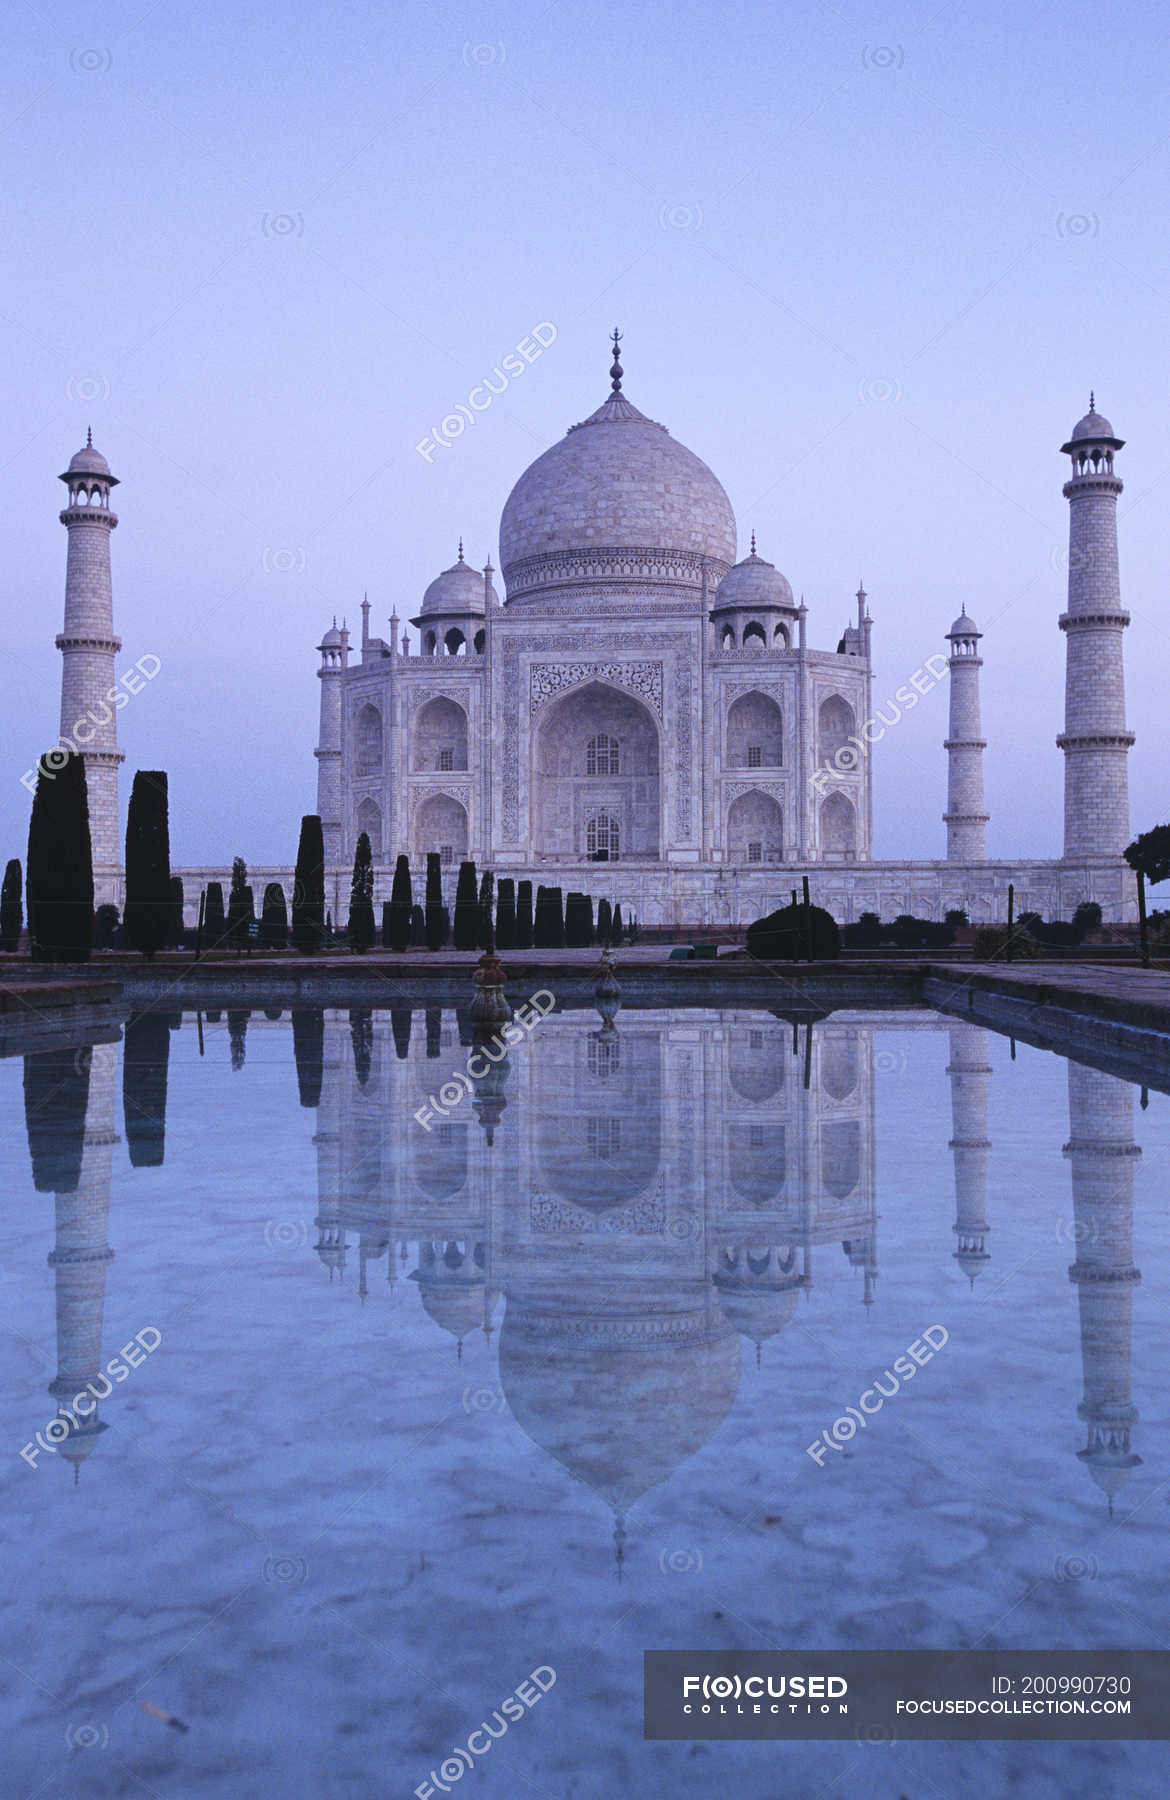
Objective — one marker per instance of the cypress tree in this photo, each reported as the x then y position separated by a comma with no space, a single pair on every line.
506,914
549,924
487,896
177,927
384,935
466,908
274,918
238,908
361,896
105,927
435,920
578,921
396,926
145,1055
11,911
308,906
214,920
148,913
56,1096
617,923
59,866
308,1029
418,928
524,925
604,922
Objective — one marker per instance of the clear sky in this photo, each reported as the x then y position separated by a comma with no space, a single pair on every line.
868,260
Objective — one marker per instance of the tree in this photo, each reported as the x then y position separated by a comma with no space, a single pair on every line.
148,913
1149,857
418,928
361,896
11,911
866,934
59,866
274,918
578,921
308,906
214,919
548,932
239,910
617,922
466,908
506,913
794,932
524,915
107,933
1086,918
957,916
436,913
604,922
487,897
177,927
396,927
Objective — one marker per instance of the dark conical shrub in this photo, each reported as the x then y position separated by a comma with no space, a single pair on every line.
396,920
308,902
487,903
59,866
361,1036
578,921
418,928
361,897
214,918
11,910
604,922
308,1028
524,915
107,933
436,922
274,918
400,1029
239,909
617,922
466,908
506,914
145,1055
548,931
147,916
795,932
177,926
56,1097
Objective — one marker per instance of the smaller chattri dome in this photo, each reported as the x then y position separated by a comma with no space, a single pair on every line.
754,583
333,639
88,461
458,589
964,626
1093,425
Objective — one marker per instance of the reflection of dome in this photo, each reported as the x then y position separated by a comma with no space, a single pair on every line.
619,1399
758,1291
458,589
452,1286
619,488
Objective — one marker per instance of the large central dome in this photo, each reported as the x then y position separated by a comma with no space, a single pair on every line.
616,501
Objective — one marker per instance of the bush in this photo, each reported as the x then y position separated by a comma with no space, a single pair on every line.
506,914
466,908
865,934
957,917
991,943
548,931
274,918
1086,918
59,866
308,904
214,919
107,933
578,921
604,922
792,932
11,911
418,928
148,912
524,924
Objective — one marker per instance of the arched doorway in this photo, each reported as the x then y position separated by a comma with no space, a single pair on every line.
441,824
755,734
368,760
837,726
838,828
595,789
440,736
755,829
369,820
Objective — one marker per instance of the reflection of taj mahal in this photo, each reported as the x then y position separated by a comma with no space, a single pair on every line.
629,1208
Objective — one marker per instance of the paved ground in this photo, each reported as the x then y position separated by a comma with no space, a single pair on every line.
1129,995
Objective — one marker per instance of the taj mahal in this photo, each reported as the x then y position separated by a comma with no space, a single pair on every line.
643,697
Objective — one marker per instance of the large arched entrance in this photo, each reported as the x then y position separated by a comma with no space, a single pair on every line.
441,824
595,789
755,831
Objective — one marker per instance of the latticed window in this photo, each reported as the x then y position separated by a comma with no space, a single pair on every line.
755,850
602,838
756,1137
755,756
446,853
446,757
605,1057
602,756
604,1138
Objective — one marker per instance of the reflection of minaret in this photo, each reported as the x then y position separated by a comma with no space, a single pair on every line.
79,1259
1101,1152
331,1244
970,1072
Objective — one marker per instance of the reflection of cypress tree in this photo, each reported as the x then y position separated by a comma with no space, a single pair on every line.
434,1028
400,1026
464,1026
146,1048
237,1036
361,1033
56,1094
309,1052
506,914
524,916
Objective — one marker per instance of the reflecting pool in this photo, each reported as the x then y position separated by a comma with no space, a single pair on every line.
399,1382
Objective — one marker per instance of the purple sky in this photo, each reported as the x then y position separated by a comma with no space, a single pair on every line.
868,265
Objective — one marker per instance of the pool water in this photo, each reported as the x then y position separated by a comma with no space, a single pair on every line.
410,1382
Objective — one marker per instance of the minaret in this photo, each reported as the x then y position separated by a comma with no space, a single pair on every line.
1102,1154
965,819
1094,740
969,1070
88,648
334,650
79,1261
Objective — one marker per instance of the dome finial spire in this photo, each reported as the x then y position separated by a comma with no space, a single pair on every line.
461,549
753,543
1092,401
616,370
89,437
